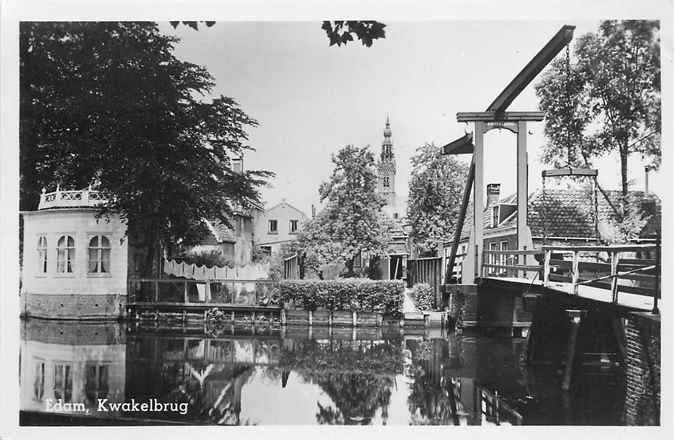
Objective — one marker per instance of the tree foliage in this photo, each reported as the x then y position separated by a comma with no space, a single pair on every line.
109,104
607,99
352,220
435,194
341,32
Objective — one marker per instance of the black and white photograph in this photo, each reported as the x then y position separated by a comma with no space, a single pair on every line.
336,218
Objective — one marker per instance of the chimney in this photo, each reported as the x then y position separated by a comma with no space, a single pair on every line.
313,211
493,193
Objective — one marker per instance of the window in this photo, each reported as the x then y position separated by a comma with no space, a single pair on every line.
503,260
38,384
387,182
494,216
65,254
293,225
493,259
96,386
63,382
266,249
42,254
99,254
273,226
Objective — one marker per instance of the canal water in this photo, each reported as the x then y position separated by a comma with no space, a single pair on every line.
298,376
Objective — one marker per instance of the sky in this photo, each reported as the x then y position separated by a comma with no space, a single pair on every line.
311,99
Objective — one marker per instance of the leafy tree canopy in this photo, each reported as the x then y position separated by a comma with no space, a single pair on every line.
352,220
607,99
109,104
341,32
435,194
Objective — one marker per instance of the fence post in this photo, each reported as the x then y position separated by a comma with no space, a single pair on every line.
658,274
546,267
484,259
614,276
574,273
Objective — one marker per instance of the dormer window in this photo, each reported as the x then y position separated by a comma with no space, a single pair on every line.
495,216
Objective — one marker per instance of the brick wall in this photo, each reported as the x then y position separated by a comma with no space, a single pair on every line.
73,306
642,403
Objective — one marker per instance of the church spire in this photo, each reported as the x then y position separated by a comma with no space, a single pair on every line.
386,168
387,145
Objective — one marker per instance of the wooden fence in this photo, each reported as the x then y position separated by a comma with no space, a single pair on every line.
291,268
425,270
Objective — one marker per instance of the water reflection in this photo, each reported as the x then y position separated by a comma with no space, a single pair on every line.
302,376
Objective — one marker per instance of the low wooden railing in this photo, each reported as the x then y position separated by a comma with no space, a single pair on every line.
622,268
633,269
187,291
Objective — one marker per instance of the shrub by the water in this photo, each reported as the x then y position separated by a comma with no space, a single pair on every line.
359,295
206,257
422,295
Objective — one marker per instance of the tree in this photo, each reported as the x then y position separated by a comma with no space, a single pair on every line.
341,32
352,220
109,104
435,195
607,100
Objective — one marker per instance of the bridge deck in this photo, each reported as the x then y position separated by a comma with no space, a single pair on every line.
637,302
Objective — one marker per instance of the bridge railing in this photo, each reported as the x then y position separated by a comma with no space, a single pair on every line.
633,269
511,263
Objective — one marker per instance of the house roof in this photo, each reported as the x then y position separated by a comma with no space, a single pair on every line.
569,213
284,203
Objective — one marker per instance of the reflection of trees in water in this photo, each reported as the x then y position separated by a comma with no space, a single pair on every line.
356,375
216,400
432,399
207,374
356,397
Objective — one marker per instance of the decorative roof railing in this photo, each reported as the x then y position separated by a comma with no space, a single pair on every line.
71,199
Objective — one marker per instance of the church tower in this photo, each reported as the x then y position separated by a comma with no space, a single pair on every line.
387,167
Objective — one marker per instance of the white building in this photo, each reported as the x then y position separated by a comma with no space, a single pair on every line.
74,264
278,225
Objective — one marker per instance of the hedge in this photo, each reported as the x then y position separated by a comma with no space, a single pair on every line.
358,295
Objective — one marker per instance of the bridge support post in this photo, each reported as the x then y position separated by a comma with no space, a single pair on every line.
574,324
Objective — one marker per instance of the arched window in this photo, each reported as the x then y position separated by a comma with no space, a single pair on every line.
65,254
42,254
99,254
